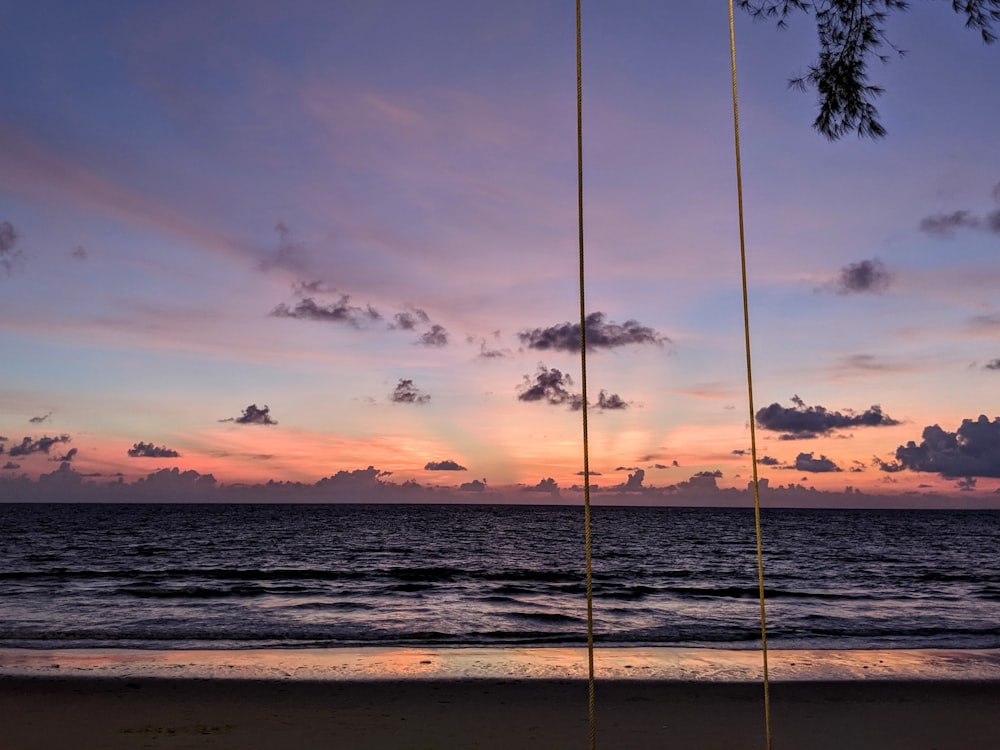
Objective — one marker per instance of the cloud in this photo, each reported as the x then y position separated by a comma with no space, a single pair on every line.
806,462
341,311
253,415
407,393
474,486
945,224
288,253
39,420
768,461
801,422
70,455
973,450
9,257
446,465
409,319
611,401
865,276
992,365
486,352
79,253
148,450
42,445
966,485
550,386
10,466
600,335
436,336
548,485
634,481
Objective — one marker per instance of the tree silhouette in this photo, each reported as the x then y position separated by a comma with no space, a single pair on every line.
852,33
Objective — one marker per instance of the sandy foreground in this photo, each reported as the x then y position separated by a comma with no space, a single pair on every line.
483,698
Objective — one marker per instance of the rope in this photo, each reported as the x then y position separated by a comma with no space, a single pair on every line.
591,711
746,337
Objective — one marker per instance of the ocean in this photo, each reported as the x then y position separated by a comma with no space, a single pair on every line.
176,576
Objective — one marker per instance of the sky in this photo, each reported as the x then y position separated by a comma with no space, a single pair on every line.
331,248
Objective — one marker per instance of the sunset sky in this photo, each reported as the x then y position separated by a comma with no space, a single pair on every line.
278,241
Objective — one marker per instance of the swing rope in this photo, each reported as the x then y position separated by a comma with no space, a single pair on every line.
746,338
591,711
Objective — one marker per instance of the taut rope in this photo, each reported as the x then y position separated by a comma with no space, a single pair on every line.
746,338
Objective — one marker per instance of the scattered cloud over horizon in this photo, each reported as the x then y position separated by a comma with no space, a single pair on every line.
550,386
39,420
437,336
866,276
547,485
601,334
148,450
288,254
341,311
973,450
768,461
409,319
993,364
446,465
802,422
79,253
944,224
67,457
28,446
407,393
476,485
10,259
806,462
253,415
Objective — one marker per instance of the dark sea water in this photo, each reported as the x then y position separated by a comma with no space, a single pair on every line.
250,576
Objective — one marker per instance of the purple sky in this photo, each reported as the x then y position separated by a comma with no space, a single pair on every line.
269,241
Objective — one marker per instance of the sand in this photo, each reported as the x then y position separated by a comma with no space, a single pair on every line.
495,698
45,713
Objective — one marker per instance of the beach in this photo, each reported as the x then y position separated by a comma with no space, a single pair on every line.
496,698
47,713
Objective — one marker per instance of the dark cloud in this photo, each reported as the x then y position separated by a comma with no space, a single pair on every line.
610,402
992,365
973,450
634,481
79,253
865,276
548,485
945,224
70,455
9,257
253,415
42,445
966,485
10,466
148,450
550,386
768,461
446,465
436,336
592,473
475,485
806,462
486,352
39,420
409,319
601,334
407,393
704,480
341,311
660,466
800,422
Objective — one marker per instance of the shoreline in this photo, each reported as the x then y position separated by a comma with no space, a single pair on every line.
503,663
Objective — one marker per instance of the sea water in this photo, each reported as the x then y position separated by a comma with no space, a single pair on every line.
176,576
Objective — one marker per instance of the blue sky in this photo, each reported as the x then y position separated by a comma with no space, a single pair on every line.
357,214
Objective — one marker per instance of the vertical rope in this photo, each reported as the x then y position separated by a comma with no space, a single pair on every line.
591,711
746,337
